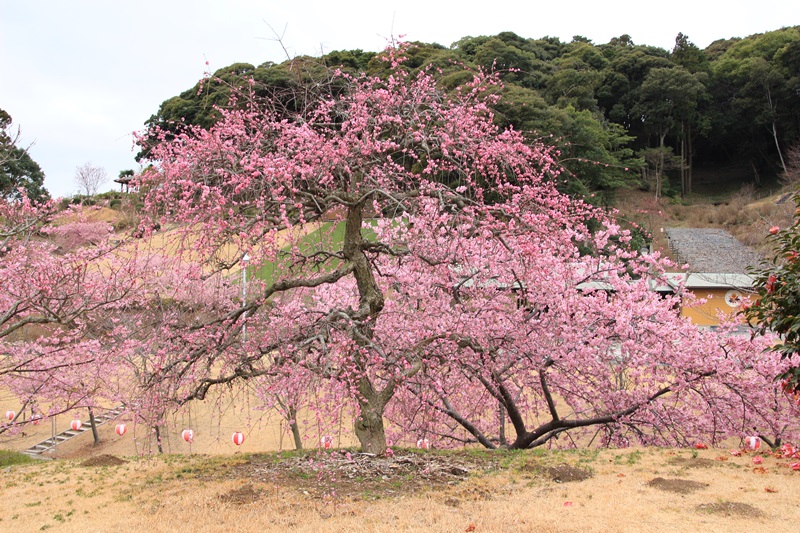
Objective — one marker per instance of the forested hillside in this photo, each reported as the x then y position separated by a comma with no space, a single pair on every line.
622,114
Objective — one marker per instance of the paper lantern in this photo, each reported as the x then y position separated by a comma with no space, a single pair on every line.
76,425
10,415
425,444
36,419
187,435
754,443
121,429
237,438
326,442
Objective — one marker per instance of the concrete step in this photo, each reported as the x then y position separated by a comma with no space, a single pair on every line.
49,443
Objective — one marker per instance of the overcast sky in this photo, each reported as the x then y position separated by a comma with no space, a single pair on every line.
80,76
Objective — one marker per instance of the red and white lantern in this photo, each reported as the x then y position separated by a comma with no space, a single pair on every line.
754,443
76,424
187,435
237,438
36,419
424,444
10,415
326,442
121,429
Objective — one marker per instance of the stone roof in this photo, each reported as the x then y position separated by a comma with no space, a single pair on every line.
710,250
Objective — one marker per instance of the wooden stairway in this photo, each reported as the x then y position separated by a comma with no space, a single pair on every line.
36,450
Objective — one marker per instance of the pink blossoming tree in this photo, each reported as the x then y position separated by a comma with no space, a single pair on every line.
445,285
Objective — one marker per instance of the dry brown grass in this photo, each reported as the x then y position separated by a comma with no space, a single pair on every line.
199,493
743,215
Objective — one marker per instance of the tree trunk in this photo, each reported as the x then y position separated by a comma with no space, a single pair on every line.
298,442
660,165
778,147
369,421
93,423
756,176
684,166
690,169
773,108
502,415
158,439
369,429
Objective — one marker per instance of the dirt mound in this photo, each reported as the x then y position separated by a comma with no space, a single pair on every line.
691,462
681,486
565,473
242,496
359,475
731,509
104,460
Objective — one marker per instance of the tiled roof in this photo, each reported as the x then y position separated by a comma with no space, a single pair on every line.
710,250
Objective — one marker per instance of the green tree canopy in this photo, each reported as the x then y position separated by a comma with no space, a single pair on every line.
17,168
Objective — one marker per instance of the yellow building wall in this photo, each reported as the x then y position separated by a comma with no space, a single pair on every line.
706,314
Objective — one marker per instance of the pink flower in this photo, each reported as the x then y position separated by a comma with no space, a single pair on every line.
771,280
774,230
788,450
757,460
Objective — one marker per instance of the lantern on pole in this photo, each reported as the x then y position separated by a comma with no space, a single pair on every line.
754,443
121,429
326,442
10,415
36,419
187,435
424,444
237,438
76,424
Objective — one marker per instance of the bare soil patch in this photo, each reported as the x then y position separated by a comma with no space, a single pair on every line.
732,509
564,473
242,495
679,486
692,462
352,475
104,460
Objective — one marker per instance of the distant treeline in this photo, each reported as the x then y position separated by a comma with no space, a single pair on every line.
622,114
